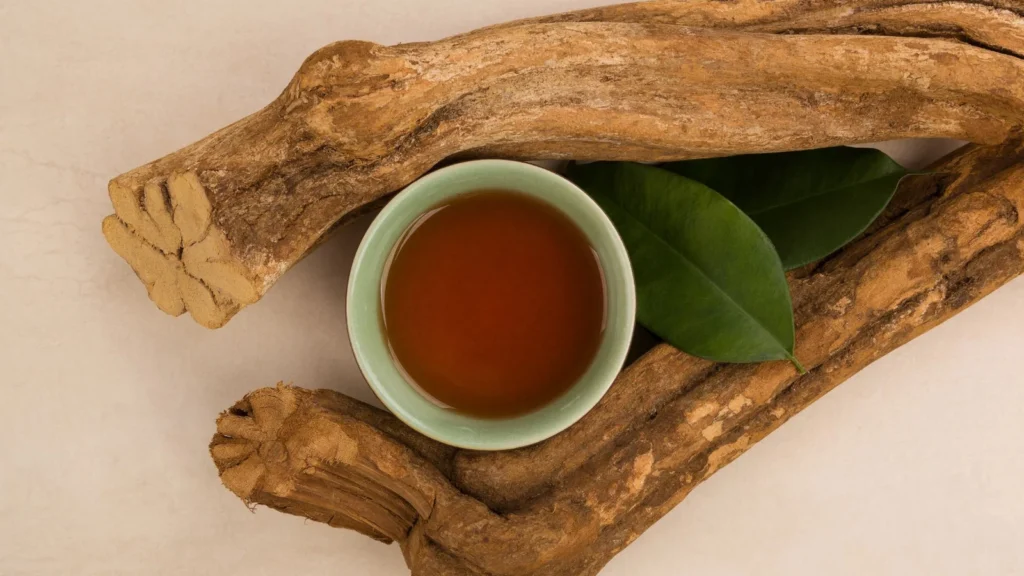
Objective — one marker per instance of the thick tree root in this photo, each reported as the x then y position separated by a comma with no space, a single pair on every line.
210,228
567,505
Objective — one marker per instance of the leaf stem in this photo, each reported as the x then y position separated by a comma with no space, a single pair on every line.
796,364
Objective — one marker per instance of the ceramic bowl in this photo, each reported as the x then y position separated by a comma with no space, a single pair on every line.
369,342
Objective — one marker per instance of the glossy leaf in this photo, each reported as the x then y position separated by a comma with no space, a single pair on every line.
810,203
708,280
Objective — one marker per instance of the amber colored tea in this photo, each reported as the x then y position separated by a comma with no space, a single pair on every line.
494,303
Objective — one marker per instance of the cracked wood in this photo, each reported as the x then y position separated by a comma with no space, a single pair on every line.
663,80
566,506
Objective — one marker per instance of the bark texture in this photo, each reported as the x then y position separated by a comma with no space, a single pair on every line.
210,228
993,24
567,505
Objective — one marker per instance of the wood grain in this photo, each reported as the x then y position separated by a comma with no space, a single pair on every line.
210,228
567,505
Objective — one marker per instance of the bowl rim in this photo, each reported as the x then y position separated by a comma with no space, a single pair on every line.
550,426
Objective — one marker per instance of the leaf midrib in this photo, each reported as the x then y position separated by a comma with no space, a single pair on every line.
752,213
674,250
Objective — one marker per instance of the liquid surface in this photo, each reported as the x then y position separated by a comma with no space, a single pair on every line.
494,303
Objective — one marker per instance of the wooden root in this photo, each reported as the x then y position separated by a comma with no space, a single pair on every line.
210,228
567,505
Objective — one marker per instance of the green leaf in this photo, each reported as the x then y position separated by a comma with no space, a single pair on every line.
809,203
708,280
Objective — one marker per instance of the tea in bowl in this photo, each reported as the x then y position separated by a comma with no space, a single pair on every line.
491,304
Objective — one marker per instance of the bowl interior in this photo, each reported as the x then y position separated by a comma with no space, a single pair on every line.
364,306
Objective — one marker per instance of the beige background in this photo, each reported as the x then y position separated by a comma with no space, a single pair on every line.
913,467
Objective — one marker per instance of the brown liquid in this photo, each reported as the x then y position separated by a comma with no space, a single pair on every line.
494,303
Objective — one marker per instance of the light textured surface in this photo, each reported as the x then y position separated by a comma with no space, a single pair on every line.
914,466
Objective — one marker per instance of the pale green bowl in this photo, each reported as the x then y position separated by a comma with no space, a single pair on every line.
369,343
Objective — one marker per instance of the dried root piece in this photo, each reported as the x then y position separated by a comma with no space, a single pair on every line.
994,24
164,231
630,82
567,505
